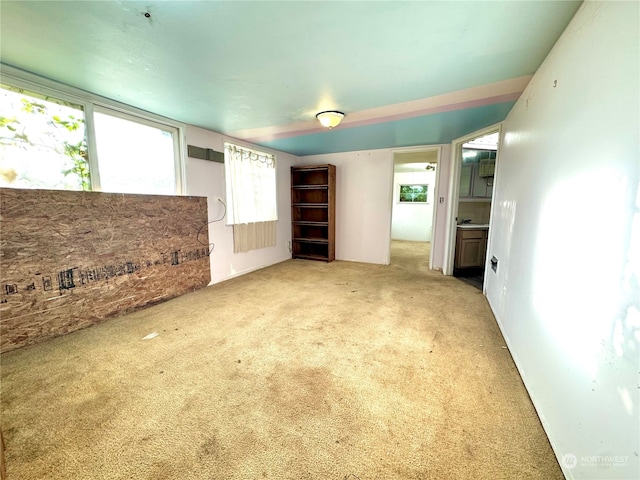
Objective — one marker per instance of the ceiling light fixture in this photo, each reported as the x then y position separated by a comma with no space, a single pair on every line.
330,118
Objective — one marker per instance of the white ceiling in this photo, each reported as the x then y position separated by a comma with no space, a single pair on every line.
405,73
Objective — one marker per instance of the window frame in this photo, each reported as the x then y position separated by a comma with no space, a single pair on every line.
175,135
413,202
89,102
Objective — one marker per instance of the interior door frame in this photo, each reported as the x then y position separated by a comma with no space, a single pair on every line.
434,207
454,190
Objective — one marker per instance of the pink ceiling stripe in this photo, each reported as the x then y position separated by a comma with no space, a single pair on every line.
390,118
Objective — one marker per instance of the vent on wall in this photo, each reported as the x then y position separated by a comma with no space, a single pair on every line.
205,154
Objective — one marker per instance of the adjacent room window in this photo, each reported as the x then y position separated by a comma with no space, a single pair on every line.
42,142
251,197
70,143
413,193
134,157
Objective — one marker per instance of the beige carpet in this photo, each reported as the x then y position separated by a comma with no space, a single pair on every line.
303,370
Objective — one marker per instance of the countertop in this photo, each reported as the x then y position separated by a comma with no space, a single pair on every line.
474,226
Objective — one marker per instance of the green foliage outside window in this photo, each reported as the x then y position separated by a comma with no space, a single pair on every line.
413,193
42,143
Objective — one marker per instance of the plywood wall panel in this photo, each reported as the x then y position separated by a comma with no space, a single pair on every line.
71,259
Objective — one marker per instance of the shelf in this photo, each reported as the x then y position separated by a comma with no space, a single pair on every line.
312,257
312,168
310,214
311,248
310,177
311,240
310,187
311,205
307,222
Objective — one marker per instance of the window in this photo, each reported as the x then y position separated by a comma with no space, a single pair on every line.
42,142
251,185
55,137
251,197
413,193
134,157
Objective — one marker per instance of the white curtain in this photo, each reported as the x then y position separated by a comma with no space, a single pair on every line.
250,236
251,197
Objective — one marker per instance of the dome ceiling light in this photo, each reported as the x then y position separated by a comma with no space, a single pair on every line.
330,118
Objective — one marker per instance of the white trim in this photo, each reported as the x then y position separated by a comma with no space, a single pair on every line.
452,210
496,177
40,85
454,190
436,198
392,165
90,133
180,143
124,115
178,157
434,207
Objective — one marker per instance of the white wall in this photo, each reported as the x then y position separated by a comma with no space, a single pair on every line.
363,203
206,179
413,221
568,301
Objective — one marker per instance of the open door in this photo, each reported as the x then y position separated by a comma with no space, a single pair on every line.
470,193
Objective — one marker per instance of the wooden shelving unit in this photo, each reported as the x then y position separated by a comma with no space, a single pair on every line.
313,211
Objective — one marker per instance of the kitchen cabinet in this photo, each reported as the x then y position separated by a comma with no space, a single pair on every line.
476,176
482,187
471,247
466,175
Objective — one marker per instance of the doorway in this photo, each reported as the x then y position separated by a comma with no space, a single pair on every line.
413,212
469,215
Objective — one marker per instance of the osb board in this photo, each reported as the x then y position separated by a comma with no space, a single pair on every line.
72,259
